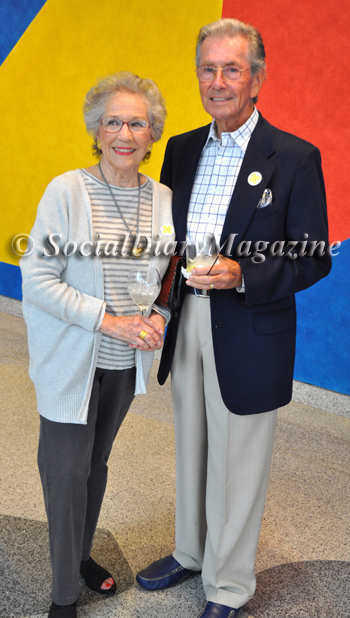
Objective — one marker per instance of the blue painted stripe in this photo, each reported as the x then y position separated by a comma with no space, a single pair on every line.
323,336
15,17
10,281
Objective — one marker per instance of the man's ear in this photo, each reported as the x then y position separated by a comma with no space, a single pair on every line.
258,81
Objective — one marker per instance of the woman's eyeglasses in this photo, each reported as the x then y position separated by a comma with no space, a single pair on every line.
114,125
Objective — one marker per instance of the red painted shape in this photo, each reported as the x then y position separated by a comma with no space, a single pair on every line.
307,46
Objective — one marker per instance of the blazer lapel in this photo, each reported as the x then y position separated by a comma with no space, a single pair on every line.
245,197
186,172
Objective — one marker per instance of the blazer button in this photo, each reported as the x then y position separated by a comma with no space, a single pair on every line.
175,315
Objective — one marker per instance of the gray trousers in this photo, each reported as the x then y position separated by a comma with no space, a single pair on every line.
72,462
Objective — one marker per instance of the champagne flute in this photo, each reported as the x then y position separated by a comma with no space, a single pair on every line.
144,287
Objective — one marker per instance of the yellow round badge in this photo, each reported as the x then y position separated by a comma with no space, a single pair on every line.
167,230
254,178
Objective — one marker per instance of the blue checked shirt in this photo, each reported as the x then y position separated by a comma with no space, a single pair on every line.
216,179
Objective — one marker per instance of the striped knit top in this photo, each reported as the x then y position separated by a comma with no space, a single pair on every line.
113,239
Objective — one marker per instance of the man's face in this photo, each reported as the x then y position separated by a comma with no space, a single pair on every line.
229,102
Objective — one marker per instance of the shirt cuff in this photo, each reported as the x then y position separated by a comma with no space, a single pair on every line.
242,288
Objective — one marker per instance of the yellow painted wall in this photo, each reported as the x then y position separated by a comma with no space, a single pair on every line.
46,76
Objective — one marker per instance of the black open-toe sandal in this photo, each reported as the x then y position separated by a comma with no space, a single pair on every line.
95,575
63,611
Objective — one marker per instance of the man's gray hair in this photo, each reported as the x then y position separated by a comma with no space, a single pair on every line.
232,28
124,81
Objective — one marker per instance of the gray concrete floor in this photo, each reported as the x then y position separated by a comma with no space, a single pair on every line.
302,563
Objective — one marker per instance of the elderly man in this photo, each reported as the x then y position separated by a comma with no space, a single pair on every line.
231,353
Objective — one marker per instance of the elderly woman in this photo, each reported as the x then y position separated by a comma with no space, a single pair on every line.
90,348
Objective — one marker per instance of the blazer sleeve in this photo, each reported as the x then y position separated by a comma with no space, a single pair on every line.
166,171
304,212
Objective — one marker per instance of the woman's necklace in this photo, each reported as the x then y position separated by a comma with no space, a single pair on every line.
136,251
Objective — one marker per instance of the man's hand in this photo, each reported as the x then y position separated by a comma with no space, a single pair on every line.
224,275
129,327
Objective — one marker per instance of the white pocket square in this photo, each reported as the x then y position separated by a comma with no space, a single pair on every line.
266,199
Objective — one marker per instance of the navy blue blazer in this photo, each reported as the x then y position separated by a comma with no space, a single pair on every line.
254,332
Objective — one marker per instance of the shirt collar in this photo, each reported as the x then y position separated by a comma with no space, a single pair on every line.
241,136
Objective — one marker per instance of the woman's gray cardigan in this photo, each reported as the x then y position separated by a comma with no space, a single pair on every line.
63,296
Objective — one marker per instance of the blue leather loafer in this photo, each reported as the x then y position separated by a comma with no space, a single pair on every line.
216,610
162,574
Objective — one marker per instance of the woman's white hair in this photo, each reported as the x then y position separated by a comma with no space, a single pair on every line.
124,81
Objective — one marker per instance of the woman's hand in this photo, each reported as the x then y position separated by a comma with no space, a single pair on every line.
159,322
129,327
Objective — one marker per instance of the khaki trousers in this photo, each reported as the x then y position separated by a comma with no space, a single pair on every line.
222,467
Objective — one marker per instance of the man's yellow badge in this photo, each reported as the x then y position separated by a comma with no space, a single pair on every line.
167,230
254,178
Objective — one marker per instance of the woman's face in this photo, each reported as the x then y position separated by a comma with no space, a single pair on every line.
124,151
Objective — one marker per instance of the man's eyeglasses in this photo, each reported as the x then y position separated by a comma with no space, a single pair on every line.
114,125
208,74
